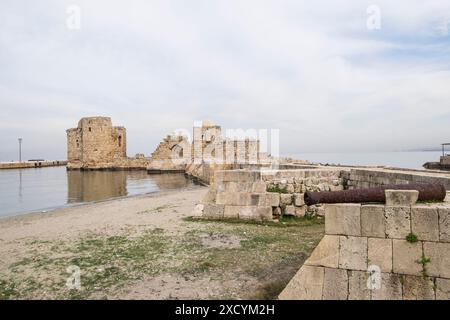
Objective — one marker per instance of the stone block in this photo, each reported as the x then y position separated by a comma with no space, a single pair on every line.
353,253
398,222
447,197
307,284
258,187
228,198
343,219
248,176
439,255
380,253
444,224
390,288
300,211
335,284
227,176
214,211
442,289
357,285
255,213
231,212
299,199
285,199
425,223
289,211
210,197
326,254
320,212
290,188
373,223
406,256
418,288
401,197
270,199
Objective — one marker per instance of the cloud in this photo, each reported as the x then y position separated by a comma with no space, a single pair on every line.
311,69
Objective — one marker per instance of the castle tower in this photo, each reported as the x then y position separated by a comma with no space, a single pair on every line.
95,143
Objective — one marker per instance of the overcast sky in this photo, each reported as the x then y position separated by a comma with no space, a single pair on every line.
312,69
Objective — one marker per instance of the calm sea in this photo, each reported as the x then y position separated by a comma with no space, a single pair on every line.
410,160
30,190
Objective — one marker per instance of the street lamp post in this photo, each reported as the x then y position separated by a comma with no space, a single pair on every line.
20,149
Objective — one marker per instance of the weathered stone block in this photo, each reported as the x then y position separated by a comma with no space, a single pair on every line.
444,224
300,211
255,213
390,288
442,289
401,197
231,212
447,197
406,256
418,288
326,253
398,222
290,188
439,255
373,223
299,199
357,285
210,197
214,211
353,253
228,198
285,199
258,187
307,284
335,284
343,219
380,253
289,211
270,199
425,223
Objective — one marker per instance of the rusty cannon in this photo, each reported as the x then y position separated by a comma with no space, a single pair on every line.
427,192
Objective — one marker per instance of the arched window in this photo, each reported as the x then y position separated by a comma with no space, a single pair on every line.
120,141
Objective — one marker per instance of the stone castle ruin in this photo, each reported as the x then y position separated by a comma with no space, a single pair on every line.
97,144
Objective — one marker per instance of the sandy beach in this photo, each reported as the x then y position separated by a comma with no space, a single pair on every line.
148,247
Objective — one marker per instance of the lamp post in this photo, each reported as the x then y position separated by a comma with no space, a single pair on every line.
20,149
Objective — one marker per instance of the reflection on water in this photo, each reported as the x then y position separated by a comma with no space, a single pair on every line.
27,190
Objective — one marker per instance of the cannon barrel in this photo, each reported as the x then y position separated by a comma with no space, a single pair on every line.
427,192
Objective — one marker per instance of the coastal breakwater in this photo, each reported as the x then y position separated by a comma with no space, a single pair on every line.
32,164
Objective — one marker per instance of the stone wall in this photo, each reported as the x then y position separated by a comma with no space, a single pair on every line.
366,178
238,194
292,184
378,252
266,194
170,155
